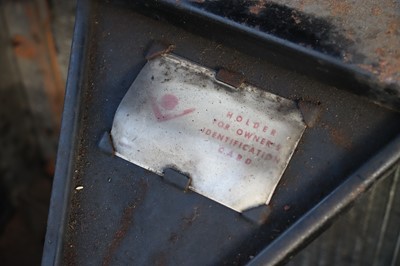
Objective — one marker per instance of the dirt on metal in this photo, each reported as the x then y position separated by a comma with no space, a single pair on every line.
126,223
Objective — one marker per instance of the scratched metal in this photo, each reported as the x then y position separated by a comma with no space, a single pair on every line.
234,144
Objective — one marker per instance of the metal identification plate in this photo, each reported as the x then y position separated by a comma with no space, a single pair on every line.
233,143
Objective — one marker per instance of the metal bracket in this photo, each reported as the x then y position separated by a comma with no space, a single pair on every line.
258,215
176,179
157,49
311,112
106,144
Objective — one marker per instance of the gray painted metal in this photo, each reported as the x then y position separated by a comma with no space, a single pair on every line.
369,234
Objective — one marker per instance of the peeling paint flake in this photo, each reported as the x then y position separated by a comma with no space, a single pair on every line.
234,144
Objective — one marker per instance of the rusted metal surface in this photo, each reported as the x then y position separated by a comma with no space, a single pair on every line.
158,49
126,223
28,24
62,24
23,47
170,223
282,21
26,169
231,78
373,27
364,36
33,41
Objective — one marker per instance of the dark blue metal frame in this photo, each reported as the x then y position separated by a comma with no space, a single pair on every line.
300,59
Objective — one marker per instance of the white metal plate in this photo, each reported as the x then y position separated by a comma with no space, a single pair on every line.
234,143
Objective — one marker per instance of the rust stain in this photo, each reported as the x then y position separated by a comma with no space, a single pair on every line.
339,8
187,223
376,11
58,82
381,26
257,7
50,166
393,27
190,220
158,49
339,138
126,223
296,18
231,78
369,68
24,47
386,63
380,52
46,59
387,69
160,259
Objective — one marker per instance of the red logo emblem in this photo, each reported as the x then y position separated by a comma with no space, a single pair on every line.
166,108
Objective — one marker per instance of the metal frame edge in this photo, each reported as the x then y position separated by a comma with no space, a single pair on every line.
315,220
69,127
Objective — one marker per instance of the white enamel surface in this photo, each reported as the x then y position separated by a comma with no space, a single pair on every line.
234,144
